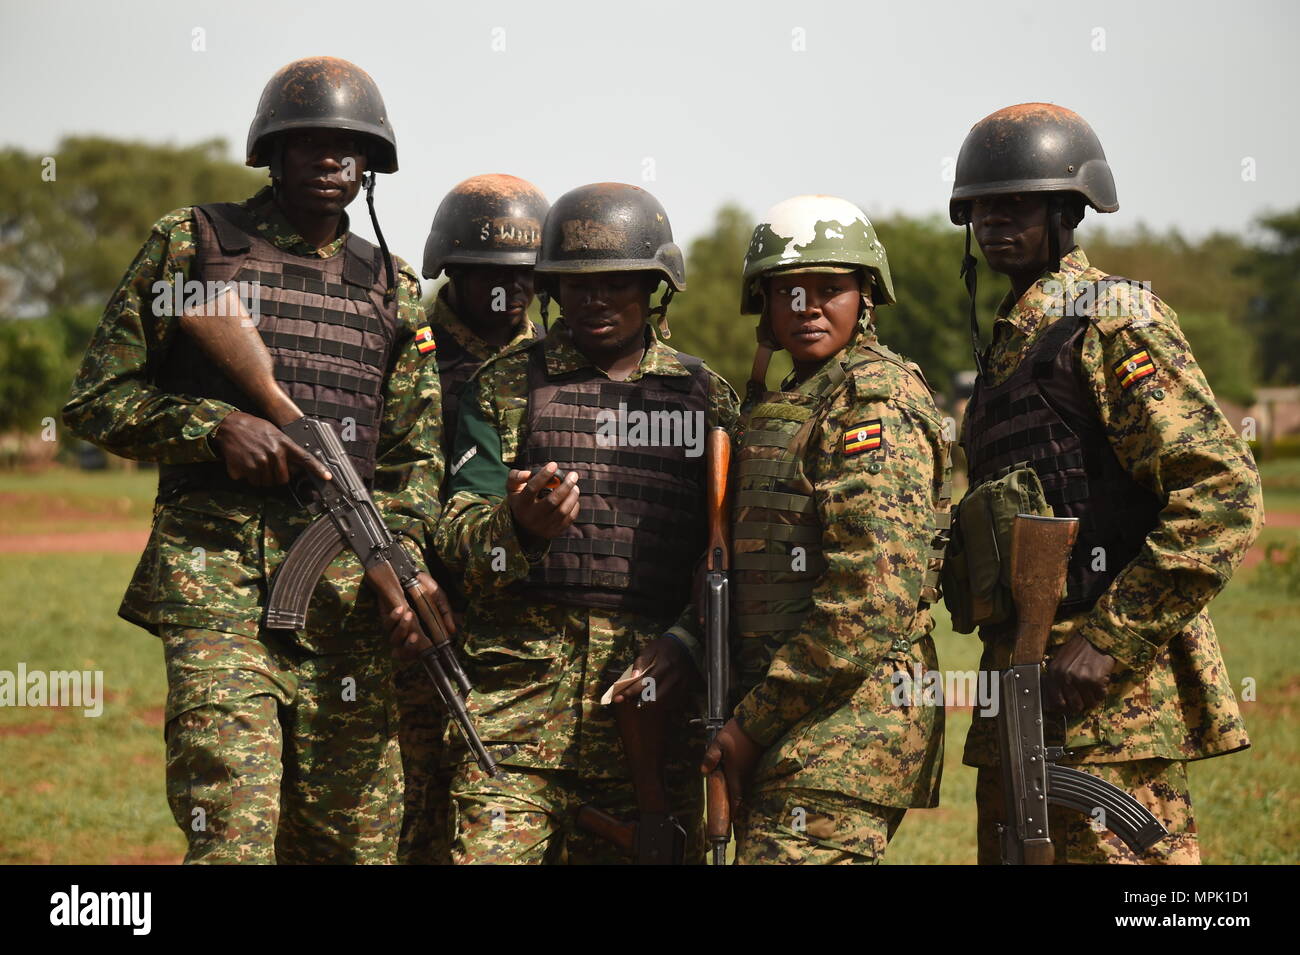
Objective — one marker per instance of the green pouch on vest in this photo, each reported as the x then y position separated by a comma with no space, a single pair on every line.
977,569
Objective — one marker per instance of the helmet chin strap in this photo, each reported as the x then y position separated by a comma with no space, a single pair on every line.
659,314
544,305
968,274
1054,233
368,180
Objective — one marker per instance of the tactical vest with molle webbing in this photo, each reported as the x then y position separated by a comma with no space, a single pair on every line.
774,509
1043,417
640,528
325,322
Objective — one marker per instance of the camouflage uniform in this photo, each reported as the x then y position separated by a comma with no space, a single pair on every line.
280,746
1169,696
422,721
539,669
845,753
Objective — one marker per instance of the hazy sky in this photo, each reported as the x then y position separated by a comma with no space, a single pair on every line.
698,102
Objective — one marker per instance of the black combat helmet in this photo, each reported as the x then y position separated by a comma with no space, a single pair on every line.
323,92
609,227
486,220
1033,147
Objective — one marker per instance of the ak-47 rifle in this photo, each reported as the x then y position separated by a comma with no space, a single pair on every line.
227,335
657,838
1031,778
717,632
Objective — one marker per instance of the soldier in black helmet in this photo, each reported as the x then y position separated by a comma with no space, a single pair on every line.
577,516
281,745
1088,403
484,237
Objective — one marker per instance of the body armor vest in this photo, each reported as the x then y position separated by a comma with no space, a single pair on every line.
325,322
1042,417
774,510
641,526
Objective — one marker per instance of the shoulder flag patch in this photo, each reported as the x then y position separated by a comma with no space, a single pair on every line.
1134,368
862,437
424,342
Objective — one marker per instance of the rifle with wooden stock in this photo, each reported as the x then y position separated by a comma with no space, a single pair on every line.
717,638
348,515
657,838
1031,778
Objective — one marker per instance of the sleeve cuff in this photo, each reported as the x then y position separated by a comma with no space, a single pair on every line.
1128,649
689,643
208,417
760,723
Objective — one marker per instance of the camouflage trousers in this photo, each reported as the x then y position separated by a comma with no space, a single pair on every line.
529,816
812,827
422,723
1159,784
275,754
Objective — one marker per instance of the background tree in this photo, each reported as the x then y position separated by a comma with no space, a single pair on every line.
66,241
1273,310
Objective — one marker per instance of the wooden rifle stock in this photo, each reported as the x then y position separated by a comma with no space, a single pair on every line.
228,335
1040,558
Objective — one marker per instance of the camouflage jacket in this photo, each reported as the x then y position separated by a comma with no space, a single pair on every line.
830,704
539,669
211,554
1170,696
454,336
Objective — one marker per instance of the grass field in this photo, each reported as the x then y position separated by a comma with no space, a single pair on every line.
90,790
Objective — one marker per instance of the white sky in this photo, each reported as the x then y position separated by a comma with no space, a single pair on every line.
713,94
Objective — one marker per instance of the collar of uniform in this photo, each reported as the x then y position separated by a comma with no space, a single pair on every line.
275,228
1027,314
443,317
563,357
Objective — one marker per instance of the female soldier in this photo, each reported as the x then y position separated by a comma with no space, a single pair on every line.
839,496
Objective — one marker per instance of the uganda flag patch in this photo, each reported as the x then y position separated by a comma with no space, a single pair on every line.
862,437
424,342
1134,368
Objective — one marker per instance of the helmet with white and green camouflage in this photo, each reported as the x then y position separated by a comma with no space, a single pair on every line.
815,234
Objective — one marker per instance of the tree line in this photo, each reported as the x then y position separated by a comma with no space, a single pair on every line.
69,228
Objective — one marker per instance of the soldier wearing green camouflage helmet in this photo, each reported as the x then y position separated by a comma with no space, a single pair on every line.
281,745
484,238
576,522
840,496
1089,386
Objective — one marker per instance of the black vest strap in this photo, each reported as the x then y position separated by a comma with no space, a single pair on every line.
224,217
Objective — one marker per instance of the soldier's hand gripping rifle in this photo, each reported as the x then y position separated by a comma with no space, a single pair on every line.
717,633
1031,778
227,335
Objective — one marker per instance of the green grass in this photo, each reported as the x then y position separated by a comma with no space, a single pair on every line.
90,790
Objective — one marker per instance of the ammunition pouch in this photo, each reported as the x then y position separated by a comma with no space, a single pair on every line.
977,568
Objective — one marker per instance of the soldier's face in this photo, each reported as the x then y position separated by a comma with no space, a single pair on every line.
321,169
488,292
813,314
606,311
1012,231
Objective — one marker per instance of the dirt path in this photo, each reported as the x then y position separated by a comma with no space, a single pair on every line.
85,542
1272,519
